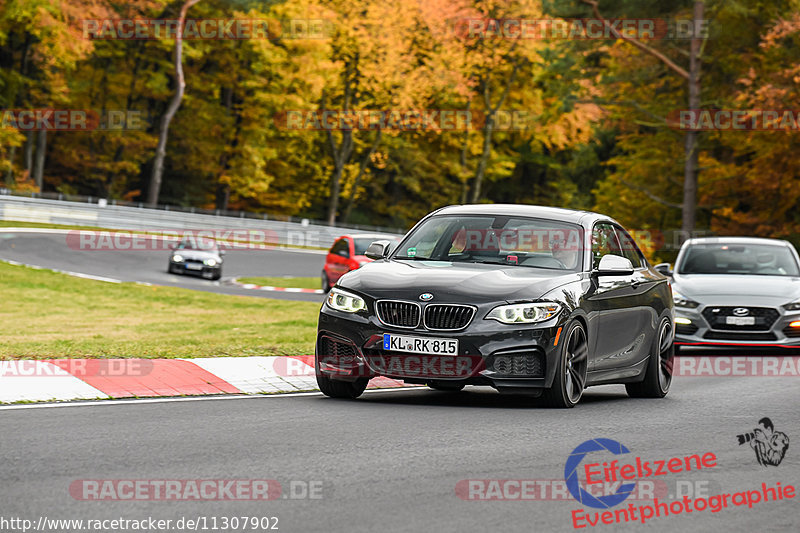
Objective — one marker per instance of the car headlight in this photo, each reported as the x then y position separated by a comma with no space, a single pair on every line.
177,258
794,306
344,301
682,301
210,262
526,313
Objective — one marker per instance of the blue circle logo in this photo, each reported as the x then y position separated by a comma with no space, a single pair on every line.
571,474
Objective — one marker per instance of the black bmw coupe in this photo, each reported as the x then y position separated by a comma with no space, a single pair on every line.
534,300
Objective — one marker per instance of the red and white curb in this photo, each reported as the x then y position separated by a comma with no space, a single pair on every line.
28,380
270,288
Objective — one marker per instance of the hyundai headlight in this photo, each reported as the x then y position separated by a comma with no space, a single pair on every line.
210,262
527,313
794,306
682,301
177,258
344,301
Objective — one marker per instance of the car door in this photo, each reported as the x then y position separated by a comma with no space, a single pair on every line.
643,290
616,322
338,259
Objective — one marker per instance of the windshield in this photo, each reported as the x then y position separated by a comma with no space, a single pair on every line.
502,240
721,258
191,243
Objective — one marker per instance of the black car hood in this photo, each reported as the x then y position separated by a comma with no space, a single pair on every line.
453,282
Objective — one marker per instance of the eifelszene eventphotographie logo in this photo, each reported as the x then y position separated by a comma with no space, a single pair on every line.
770,445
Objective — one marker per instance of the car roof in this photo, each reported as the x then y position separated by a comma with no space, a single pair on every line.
536,211
737,240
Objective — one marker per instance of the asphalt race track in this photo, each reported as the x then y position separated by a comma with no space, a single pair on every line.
51,250
390,461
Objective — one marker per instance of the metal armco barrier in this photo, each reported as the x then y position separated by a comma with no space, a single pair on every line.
106,215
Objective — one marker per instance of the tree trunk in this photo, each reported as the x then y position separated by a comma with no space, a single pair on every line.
689,211
488,130
361,169
38,164
161,150
12,153
488,126
341,154
29,152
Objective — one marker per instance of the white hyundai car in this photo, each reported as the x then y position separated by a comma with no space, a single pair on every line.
736,291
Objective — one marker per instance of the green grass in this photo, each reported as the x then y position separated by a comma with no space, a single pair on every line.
44,314
15,224
287,281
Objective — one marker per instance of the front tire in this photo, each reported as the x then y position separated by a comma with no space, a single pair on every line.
658,375
335,388
570,379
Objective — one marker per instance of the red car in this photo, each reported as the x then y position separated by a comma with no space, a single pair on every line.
346,254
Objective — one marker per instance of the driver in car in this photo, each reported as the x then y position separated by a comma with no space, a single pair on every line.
567,255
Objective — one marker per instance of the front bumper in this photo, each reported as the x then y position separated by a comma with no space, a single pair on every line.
700,332
204,270
506,357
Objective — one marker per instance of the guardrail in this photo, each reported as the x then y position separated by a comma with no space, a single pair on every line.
112,215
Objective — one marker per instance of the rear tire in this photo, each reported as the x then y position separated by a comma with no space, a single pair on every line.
335,388
658,375
326,284
570,379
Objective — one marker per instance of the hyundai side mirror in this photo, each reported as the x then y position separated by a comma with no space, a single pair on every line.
665,269
378,250
614,265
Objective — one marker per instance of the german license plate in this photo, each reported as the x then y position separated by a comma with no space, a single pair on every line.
194,266
427,345
740,320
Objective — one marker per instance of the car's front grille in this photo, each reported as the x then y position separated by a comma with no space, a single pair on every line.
192,261
399,314
742,337
685,329
330,347
448,316
523,364
717,317
791,332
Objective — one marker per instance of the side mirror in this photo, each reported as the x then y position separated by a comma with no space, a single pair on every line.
665,269
378,250
614,265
